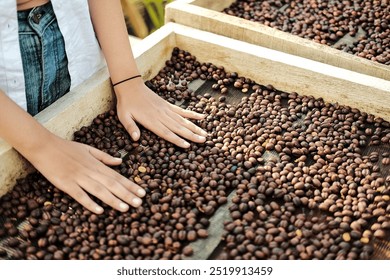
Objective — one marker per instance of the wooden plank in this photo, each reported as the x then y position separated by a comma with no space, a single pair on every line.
205,15
266,66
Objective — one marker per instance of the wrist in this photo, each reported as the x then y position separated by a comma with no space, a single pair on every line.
114,84
36,145
131,86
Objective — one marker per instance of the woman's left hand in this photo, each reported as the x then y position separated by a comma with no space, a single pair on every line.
137,103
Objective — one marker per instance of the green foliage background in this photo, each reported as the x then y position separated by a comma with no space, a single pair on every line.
151,11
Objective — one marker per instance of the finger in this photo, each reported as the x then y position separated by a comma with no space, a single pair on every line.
113,180
83,198
129,185
181,126
121,192
117,178
196,133
100,191
187,113
104,157
189,124
131,127
164,132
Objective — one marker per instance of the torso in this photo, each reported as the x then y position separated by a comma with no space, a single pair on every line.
28,4
82,49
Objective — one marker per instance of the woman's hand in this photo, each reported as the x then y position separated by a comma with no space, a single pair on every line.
79,169
137,103
75,168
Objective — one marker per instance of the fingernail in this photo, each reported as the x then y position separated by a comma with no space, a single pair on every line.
99,209
137,201
134,135
123,206
186,144
204,133
202,138
141,192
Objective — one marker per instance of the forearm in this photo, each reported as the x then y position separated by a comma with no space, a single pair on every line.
110,28
75,168
18,128
135,101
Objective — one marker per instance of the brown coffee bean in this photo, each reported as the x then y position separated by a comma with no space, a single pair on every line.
59,255
13,242
188,251
123,240
32,204
202,233
3,253
379,233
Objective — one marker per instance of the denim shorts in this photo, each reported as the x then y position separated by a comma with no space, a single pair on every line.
45,64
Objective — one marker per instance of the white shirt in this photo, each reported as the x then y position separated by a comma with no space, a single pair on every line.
81,46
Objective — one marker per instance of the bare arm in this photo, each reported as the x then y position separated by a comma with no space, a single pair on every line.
56,158
16,126
136,102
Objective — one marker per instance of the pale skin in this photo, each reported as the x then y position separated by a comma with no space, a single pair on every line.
56,158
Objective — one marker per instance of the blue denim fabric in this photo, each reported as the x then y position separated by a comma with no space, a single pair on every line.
45,64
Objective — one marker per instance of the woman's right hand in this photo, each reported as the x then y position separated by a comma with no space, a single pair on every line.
79,170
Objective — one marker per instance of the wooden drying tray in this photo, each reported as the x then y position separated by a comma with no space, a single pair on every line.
206,15
265,66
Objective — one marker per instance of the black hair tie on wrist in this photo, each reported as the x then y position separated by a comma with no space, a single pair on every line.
125,80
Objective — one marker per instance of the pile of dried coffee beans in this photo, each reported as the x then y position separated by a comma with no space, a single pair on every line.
326,22
304,185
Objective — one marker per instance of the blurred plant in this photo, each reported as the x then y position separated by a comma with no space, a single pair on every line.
144,16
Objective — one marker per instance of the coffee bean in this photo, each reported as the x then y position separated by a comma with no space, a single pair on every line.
142,169
13,242
32,204
188,251
3,253
123,240
379,233
365,240
59,255
202,233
